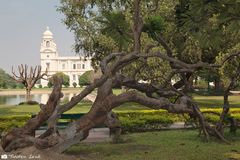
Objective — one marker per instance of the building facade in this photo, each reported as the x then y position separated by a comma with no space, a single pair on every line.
73,66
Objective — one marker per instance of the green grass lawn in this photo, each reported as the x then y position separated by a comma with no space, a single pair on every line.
203,101
33,109
163,145
80,108
216,101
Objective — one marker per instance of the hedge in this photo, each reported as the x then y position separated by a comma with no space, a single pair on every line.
8,122
131,121
147,120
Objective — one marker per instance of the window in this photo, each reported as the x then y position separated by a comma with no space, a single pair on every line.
74,77
78,66
48,65
83,66
74,66
47,56
47,44
63,66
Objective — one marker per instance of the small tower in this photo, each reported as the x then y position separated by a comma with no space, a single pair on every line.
48,47
48,54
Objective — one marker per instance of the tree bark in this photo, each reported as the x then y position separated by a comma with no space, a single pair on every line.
24,136
28,94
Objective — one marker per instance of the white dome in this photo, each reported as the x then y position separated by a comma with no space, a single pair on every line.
47,33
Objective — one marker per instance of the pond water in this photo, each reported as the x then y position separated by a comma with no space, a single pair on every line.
41,98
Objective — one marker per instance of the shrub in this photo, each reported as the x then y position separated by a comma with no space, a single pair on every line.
88,77
147,120
20,85
65,78
8,122
74,84
133,121
50,84
85,78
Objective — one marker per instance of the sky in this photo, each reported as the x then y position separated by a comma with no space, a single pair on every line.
22,23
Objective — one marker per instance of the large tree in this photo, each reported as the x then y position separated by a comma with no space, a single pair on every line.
148,55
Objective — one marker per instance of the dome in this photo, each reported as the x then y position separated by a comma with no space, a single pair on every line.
47,33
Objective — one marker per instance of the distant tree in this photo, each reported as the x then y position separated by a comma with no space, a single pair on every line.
40,86
84,79
50,84
65,78
6,81
88,77
74,84
28,77
20,85
2,78
13,85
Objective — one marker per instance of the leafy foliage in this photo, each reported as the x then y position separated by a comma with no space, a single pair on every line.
231,67
115,26
213,23
65,78
85,78
153,25
74,84
6,81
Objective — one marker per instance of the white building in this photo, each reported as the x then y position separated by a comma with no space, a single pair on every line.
72,66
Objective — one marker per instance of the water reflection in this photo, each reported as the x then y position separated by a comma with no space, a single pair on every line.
41,98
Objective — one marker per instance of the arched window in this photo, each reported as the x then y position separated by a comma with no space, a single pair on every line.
47,44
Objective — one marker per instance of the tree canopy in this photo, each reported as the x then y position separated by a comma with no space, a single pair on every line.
6,81
61,75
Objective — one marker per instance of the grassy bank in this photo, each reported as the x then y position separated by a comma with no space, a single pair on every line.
4,92
203,101
164,145
133,116
80,108
216,101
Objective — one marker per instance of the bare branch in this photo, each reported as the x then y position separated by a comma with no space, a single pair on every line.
28,79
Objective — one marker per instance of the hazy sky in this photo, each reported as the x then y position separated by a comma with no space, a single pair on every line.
22,23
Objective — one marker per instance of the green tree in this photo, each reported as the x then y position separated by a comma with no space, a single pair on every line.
85,78
65,78
50,83
213,25
74,84
6,81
